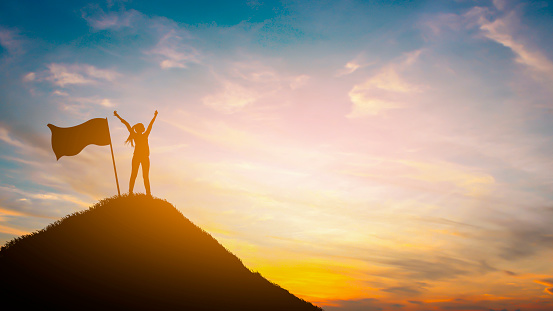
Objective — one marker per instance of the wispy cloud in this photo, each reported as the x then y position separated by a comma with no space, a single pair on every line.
81,107
31,76
406,290
548,283
500,24
244,84
519,239
232,98
5,137
63,74
95,100
11,41
101,20
218,133
12,231
367,304
385,90
470,182
173,50
447,26
353,65
45,196
349,67
502,30
299,81
500,4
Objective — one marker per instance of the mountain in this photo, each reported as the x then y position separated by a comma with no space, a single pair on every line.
132,252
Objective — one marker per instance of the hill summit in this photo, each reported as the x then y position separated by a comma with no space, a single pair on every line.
132,252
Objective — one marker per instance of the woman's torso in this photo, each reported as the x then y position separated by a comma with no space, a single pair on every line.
141,145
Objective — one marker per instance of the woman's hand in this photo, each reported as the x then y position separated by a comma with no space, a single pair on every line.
115,113
155,113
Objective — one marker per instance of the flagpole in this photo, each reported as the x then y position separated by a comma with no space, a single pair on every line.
113,159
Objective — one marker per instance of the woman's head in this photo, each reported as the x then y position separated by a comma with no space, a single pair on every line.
138,128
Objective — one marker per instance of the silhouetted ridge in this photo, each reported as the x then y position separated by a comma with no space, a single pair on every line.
132,252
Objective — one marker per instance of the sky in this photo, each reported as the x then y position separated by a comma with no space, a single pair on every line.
364,155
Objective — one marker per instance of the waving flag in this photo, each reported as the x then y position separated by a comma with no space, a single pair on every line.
69,141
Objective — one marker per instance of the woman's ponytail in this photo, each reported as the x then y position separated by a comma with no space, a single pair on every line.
130,138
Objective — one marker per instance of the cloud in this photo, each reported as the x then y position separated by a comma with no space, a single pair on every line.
453,26
385,90
101,20
403,290
349,67
364,105
31,76
81,107
353,65
243,84
422,268
45,196
431,269
11,41
9,212
218,133
490,303
547,282
232,98
299,81
471,183
12,231
520,238
172,50
498,24
441,23
500,4
366,304
106,103
60,93
502,31
25,143
5,137
254,4
62,74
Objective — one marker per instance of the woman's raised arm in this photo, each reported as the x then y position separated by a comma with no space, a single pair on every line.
123,121
151,123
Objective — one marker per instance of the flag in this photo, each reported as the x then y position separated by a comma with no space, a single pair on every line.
69,141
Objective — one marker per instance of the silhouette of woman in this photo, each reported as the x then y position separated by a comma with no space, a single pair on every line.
141,154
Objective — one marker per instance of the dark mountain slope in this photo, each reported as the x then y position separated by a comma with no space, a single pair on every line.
132,252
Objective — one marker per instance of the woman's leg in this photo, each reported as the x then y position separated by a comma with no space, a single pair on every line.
134,172
146,174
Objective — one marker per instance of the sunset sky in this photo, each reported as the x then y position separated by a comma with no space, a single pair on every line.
364,155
